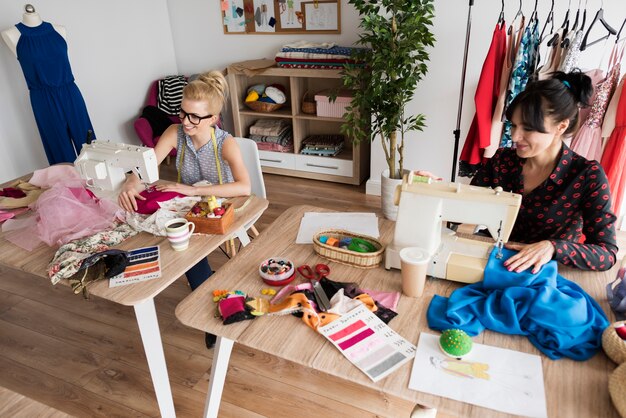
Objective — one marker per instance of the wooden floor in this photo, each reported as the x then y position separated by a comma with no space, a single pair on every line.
85,358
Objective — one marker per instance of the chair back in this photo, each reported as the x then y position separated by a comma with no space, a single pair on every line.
250,155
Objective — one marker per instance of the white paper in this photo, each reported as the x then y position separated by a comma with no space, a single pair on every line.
356,222
368,342
496,378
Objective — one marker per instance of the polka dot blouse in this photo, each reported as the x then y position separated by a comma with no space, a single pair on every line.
571,209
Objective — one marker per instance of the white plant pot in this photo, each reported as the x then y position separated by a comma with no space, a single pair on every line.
387,194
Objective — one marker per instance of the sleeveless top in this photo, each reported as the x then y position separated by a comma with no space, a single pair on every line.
198,165
570,61
605,89
520,75
42,53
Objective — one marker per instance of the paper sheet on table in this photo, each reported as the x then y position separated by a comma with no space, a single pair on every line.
369,343
496,378
357,222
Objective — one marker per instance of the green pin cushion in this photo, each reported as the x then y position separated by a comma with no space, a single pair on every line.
455,343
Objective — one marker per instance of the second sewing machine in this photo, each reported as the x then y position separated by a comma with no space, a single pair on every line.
425,206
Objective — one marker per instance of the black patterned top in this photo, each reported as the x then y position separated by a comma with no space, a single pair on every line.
571,209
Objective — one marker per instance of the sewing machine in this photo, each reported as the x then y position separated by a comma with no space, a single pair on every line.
423,208
104,165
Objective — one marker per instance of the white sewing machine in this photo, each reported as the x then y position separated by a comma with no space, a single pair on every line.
104,165
423,208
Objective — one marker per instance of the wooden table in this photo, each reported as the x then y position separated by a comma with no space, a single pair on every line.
141,295
572,388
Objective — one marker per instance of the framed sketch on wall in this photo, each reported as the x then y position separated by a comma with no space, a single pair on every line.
281,16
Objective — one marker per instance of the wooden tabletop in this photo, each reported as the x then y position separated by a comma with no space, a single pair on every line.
572,388
173,264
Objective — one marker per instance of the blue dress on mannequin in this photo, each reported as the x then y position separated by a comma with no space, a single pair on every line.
59,108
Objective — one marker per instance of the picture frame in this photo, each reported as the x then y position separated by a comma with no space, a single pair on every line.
278,17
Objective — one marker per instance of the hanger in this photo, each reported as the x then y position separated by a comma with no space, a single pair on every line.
565,24
599,17
620,31
519,11
582,26
550,19
501,17
518,14
533,16
575,25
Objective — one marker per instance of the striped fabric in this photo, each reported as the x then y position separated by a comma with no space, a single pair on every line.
170,93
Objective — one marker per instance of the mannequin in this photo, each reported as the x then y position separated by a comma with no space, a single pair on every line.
31,19
58,106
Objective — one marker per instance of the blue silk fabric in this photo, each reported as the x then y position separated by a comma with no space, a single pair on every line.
556,315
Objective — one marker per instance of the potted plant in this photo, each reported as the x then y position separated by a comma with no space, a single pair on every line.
396,35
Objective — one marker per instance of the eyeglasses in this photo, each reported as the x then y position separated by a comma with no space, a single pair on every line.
191,117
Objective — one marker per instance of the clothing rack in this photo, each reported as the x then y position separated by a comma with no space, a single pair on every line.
457,131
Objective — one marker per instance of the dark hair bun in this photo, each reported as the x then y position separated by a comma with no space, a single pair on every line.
578,83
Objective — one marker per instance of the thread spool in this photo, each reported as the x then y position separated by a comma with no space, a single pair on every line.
414,178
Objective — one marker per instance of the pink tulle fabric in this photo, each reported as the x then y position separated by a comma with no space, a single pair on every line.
49,176
65,212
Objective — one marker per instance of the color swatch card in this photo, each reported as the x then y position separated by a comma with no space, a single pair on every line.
144,264
369,343
496,378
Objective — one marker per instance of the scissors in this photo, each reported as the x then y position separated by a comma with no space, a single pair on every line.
321,271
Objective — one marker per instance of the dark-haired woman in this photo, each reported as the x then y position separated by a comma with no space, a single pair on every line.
566,209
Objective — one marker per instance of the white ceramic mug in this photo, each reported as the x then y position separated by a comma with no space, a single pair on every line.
414,264
179,232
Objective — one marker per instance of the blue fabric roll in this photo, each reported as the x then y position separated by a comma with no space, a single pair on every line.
556,315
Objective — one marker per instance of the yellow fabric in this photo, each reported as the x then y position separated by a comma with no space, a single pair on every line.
32,194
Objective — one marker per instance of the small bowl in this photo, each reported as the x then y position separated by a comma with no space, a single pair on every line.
275,271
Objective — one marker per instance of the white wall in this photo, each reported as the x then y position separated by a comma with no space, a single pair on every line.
117,55
116,49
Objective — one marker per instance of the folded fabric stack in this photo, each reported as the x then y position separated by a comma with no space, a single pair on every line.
303,54
324,145
272,135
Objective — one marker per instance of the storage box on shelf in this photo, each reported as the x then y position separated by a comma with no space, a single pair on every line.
351,166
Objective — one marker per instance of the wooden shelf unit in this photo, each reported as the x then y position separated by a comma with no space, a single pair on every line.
350,167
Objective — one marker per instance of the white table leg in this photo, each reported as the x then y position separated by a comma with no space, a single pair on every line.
221,357
153,346
242,234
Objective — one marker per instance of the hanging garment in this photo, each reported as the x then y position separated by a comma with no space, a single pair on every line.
522,71
610,117
570,60
59,108
614,157
556,315
554,57
588,140
479,135
514,37
170,93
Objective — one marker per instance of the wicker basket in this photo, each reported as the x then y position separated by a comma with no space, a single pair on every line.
263,106
351,258
617,389
613,345
308,104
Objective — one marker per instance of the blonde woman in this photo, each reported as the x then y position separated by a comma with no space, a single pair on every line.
204,153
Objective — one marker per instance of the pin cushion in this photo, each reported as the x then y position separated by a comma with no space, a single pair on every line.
277,271
455,343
